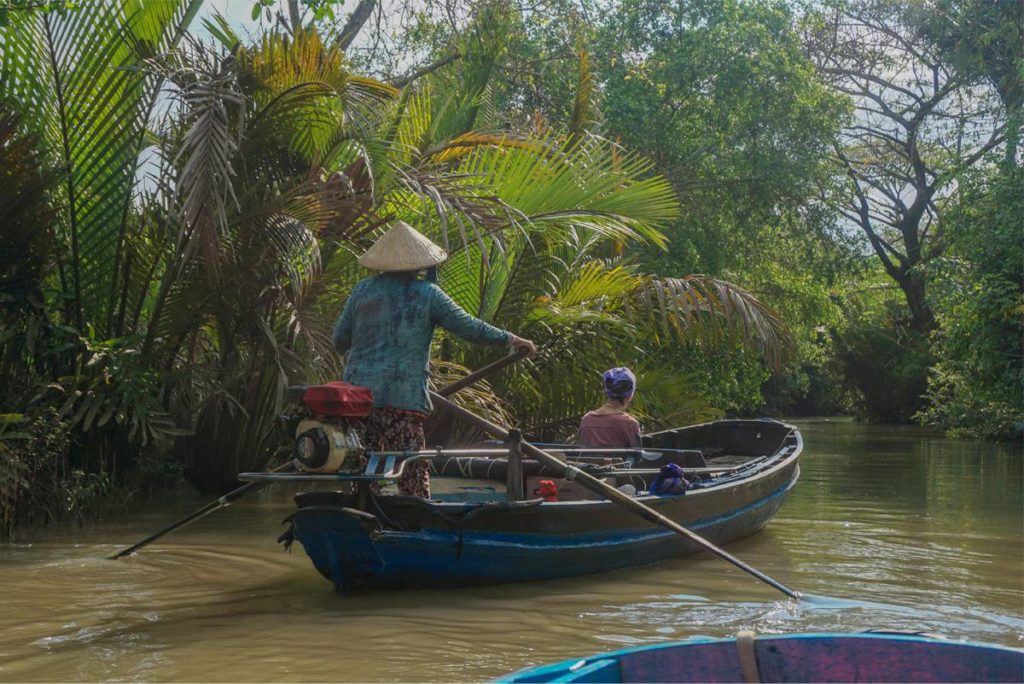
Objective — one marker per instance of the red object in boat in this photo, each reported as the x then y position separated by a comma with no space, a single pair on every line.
548,490
338,400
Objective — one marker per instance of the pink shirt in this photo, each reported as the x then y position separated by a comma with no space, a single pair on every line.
611,430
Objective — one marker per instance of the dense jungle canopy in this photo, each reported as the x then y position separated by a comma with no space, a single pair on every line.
762,207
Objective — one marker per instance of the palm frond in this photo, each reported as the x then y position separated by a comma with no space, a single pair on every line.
597,283
411,128
77,72
213,111
583,107
707,310
444,204
479,398
591,186
221,30
304,94
667,398
466,142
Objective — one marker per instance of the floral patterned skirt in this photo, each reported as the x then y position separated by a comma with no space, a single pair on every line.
387,429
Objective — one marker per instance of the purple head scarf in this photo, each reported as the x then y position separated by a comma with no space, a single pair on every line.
619,383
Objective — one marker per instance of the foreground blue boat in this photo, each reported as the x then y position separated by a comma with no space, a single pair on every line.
867,657
741,471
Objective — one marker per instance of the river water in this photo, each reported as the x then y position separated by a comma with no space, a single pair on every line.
889,528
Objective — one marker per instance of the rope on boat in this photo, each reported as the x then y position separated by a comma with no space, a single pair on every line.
572,472
457,523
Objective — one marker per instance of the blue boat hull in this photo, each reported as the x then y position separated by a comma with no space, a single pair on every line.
349,554
864,657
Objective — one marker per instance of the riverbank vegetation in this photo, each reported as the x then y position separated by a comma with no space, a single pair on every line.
763,208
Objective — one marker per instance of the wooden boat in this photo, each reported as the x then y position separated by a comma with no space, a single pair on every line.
865,657
741,472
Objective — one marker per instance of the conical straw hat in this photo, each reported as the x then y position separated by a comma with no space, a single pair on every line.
402,249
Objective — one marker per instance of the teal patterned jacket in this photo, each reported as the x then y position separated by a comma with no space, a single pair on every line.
386,328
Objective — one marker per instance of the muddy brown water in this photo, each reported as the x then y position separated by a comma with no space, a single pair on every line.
889,528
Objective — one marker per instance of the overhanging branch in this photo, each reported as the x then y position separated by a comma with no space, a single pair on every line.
403,81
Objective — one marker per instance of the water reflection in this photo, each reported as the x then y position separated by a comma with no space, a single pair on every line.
889,528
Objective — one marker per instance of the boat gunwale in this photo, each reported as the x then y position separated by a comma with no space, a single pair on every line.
624,535
565,667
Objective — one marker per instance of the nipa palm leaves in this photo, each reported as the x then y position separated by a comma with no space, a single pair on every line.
76,73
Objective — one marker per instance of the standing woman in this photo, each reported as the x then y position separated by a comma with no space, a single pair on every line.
386,327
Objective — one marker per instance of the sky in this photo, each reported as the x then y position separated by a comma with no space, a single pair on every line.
237,12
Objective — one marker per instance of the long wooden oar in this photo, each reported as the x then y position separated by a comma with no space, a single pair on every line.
227,499
604,489
249,487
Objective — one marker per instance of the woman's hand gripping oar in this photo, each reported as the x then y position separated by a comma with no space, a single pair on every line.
598,487
249,487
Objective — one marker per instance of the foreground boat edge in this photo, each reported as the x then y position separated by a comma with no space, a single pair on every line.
831,657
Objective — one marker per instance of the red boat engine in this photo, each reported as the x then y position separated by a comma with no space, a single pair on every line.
323,425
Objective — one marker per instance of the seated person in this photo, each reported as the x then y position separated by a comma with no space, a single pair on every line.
609,425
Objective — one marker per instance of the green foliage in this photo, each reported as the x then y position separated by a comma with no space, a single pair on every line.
31,345
36,482
234,315
13,8
76,74
587,315
883,360
115,388
720,95
976,388
724,100
26,215
316,10
979,37
728,379
805,278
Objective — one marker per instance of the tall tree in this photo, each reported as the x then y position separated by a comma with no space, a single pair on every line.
976,385
721,97
919,125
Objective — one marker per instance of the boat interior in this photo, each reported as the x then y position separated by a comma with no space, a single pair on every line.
708,454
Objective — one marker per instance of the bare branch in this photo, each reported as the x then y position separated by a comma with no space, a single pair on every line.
863,217
355,23
405,80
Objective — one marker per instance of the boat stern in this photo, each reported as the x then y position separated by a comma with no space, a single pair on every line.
340,542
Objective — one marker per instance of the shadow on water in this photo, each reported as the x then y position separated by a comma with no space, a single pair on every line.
889,529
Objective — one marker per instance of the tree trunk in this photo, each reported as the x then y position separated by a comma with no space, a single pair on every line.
355,23
922,319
